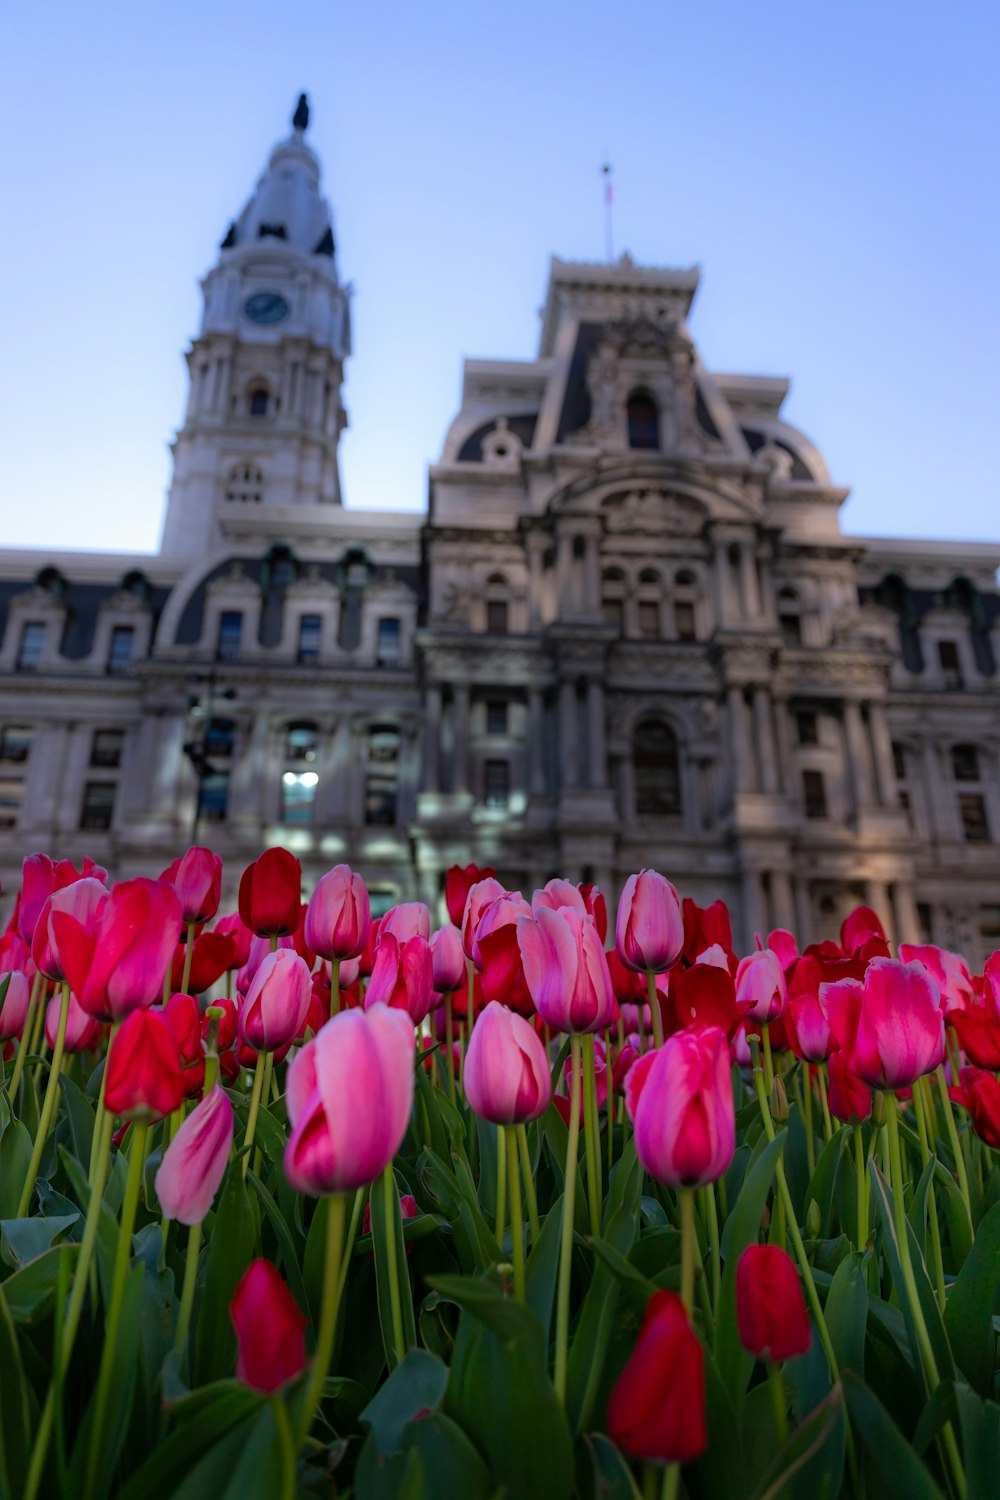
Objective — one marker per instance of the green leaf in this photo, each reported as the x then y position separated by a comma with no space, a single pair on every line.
230,1250
475,1246
973,1301
203,1422
288,1262
823,1182
387,1220
613,1479
436,1460
980,1423
16,1427
23,1240
542,1271
890,1460
928,1301
417,1384
741,1229
721,1469
245,1465
123,1387
847,1313
30,1292
80,1115
15,1158
813,1457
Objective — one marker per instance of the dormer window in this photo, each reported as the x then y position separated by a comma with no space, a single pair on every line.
643,421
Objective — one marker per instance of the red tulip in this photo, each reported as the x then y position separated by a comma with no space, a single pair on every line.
447,959
680,1098
702,996
566,970
184,1019
807,1029
407,1210
979,1092
270,893
40,877
212,953
760,981
703,928
403,976
849,1099
978,1032
349,1094
506,1075
649,932
194,1163
498,954
233,926
858,928
143,1069
949,971
338,917
457,884
770,1309
117,964
270,1330
782,944
657,1408
623,1066
891,1027
15,992
197,878
274,1011
82,900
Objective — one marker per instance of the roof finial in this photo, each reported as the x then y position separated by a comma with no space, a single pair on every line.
300,119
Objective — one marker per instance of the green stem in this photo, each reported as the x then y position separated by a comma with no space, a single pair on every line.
360,1197
768,1059
529,1182
566,1248
686,1196
825,1102
935,1228
807,1095
288,1447
328,1312
258,1082
516,1216
501,1205
188,955
116,1303
471,993
654,1006
610,1101
48,1108
956,1145
712,1218
449,1038
334,987
779,1403
99,1120
591,1140
26,1034
671,1482
392,1268
861,1188
187,1291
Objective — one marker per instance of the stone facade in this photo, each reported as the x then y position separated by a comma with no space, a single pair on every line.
629,630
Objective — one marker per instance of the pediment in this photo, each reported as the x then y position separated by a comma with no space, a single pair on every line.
655,511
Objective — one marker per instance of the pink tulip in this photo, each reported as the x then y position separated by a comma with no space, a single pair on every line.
338,917
783,944
480,895
447,959
402,977
194,1164
760,984
411,919
349,1094
557,893
277,1002
649,932
890,1028
82,900
118,964
506,1076
197,878
82,1031
808,1030
40,877
566,970
13,1003
680,1098
949,971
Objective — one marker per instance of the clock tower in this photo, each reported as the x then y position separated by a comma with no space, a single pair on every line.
264,412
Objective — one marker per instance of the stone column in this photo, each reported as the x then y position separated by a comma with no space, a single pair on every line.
940,804
335,776
877,897
592,577
536,743
564,574
753,907
907,919
727,603
45,776
432,740
536,544
764,734
885,771
460,737
598,759
768,602
568,762
781,901
740,746
857,754
749,587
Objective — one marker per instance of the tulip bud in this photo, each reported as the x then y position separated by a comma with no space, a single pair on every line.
506,1077
680,1098
457,884
770,1309
649,932
814,1219
15,992
82,1031
447,959
657,1408
116,959
270,1330
277,1002
195,1162
270,893
566,970
409,919
760,985
197,878
143,1069
338,917
402,976
979,1092
779,1101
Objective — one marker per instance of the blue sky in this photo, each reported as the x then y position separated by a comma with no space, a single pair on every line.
831,168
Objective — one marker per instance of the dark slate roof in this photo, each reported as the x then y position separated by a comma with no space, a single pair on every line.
756,440
522,426
82,602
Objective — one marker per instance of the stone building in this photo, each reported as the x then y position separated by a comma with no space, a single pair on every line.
629,630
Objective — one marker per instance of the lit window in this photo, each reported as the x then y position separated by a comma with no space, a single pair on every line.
32,645
496,783
389,647
106,748
972,810
496,716
383,744
965,763
643,421
301,741
98,804
15,743
120,654
213,796
814,794
11,790
807,724
230,635
219,739
656,766
298,793
310,636
380,799
951,666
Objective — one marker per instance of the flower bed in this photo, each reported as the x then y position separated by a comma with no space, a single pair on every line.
297,1203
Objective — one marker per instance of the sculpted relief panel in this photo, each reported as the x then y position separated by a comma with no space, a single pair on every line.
653,511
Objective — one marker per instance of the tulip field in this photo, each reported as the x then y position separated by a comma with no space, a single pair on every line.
298,1203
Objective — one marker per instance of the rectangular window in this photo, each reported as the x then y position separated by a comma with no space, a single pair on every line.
301,742
899,760
98,804
925,921
951,666
15,743
791,629
219,739
383,744
496,616
972,810
120,654
11,790
989,925
965,762
390,643
684,621
29,652
649,621
496,783
213,796
106,748
814,794
496,716
230,635
614,614
380,799
310,636
808,728
904,802
298,793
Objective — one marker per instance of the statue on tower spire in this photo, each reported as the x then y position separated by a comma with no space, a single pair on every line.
300,119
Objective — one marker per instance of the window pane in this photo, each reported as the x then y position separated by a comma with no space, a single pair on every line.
657,771
496,716
899,760
808,727
11,789
383,744
32,644
496,783
106,747
230,634
684,621
649,620
213,795
98,804
496,616
643,423
301,742
219,740
298,793
965,762
950,664
389,642
814,794
791,628
310,635
614,614
380,799
972,808
120,655
15,743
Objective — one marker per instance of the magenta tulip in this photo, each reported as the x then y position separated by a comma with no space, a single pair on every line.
566,970
338,917
649,932
557,893
83,900
277,1002
506,1076
447,959
760,985
680,1098
949,971
270,1330
117,964
402,977
197,878
891,1027
194,1164
480,895
349,1094
410,919
82,1031
13,1004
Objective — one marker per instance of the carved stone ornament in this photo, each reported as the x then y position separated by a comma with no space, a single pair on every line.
653,511
456,605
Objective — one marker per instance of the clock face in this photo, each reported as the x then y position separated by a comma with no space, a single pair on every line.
266,307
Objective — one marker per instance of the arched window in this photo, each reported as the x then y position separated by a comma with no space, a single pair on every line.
258,399
643,421
656,766
497,605
245,485
280,567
